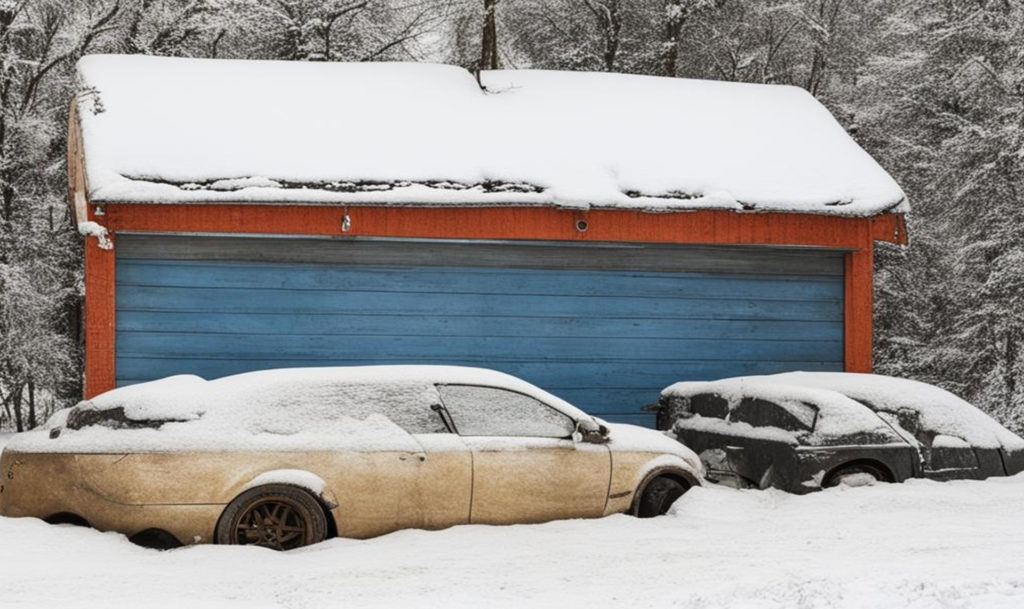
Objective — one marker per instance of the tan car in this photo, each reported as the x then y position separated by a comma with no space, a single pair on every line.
287,458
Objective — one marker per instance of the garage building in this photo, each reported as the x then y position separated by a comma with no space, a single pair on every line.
599,235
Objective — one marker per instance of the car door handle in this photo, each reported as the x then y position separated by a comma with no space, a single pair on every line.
407,456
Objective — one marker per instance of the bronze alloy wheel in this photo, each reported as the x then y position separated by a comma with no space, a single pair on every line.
276,516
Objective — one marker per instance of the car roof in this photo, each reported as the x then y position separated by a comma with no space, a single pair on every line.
838,415
144,398
939,410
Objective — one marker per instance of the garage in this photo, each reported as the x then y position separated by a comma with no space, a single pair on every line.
605,326
437,217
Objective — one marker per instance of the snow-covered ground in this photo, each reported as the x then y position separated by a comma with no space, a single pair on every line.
921,545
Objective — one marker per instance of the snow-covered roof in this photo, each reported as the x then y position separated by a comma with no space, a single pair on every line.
838,416
172,130
940,411
184,396
329,408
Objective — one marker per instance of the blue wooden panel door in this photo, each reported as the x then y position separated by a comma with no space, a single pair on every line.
605,340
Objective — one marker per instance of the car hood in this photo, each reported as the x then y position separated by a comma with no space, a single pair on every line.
633,438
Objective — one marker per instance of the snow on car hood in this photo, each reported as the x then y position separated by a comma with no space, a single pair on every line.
633,438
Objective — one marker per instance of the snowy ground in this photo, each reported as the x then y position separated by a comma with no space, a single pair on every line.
920,545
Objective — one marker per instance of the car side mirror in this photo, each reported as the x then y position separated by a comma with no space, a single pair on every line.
589,430
909,420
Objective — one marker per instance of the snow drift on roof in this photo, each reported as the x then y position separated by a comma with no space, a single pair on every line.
169,130
287,409
940,411
186,396
838,415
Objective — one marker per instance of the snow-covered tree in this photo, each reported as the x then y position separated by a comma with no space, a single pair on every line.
947,104
932,88
39,251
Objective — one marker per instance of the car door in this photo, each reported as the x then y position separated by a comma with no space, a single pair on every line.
944,457
737,445
439,481
767,441
526,466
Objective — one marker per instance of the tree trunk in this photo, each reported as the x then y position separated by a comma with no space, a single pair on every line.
673,26
489,42
19,424
611,40
31,405
1010,356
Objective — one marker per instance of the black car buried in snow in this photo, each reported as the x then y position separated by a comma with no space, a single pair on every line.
802,431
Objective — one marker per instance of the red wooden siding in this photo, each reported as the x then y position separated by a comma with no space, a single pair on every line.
99,316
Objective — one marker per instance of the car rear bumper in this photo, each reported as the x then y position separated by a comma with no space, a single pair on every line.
45,485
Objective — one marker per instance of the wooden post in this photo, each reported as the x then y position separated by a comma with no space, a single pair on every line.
99,318
859,295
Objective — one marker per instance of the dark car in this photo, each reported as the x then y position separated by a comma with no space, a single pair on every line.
956,440
803,431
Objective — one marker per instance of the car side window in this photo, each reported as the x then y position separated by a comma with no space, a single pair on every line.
709,405
762,413
490,411
407,405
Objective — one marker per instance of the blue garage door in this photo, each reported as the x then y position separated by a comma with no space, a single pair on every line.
605,327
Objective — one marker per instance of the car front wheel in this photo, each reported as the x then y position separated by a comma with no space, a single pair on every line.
275,516
860,474
658,496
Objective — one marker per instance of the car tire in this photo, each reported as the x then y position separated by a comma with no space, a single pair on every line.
858,471
658,496
275,516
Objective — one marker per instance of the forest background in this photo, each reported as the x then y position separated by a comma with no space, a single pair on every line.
933,89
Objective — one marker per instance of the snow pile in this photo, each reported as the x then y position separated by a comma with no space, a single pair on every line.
837,415
940,411
92,229
176,397
922,544
722,427
192,130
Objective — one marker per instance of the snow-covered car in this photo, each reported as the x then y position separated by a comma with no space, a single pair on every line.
286,458
802,431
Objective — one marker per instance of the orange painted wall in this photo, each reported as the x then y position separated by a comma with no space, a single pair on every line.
537,223
100,308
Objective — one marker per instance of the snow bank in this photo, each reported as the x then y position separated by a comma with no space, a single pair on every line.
838,416
288,409
922,544
162,130
940,411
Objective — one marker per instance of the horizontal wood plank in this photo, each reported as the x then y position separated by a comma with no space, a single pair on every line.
607,339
